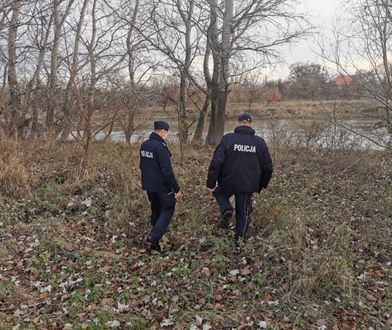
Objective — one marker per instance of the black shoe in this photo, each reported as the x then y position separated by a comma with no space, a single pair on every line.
156,247
152,246
226,217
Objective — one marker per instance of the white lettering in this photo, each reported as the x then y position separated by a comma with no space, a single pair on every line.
146,154
244,148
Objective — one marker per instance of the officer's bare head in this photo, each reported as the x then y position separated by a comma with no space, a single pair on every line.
161,128
244,120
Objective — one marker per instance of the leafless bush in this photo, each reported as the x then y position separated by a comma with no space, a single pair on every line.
311,132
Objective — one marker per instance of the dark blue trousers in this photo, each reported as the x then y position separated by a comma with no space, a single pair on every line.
243,209
162,210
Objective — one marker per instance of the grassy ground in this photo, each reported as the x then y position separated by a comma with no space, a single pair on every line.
71,255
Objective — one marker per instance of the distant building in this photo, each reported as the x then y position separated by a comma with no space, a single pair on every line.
343,80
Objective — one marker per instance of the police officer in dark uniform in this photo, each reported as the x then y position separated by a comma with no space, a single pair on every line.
241,165
159,181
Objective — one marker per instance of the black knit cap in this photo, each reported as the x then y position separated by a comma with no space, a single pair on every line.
161,125
245,117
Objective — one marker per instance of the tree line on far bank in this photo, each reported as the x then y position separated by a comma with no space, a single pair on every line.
306,81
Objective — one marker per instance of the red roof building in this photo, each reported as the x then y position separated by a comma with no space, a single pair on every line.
343,80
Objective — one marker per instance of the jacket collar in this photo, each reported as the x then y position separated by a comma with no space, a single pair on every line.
155,136
244,130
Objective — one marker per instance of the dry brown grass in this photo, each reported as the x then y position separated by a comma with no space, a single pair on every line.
13,174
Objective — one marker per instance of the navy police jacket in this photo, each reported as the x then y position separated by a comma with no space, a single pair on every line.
241,163
155,166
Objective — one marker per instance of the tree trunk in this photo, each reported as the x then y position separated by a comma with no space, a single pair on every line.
34,86
5,75
131,105
182,113
212,137
225,67
184,72
34,125
54,60
72,76
17,118
198,136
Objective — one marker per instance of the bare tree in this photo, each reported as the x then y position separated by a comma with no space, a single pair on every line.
170,29
213,38
6,9
59,19
37,32
139,67
198,135
103,60
131,99
18,120
130,91
73,70
252,88
237,40
362,51
14,51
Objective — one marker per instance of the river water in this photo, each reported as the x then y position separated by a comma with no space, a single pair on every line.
352,134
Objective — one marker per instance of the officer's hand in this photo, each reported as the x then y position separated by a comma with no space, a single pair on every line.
178,195
211,190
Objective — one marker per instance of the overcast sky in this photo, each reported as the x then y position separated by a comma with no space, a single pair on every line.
322,14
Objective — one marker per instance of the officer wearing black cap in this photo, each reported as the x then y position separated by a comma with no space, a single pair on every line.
159,181
241,165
